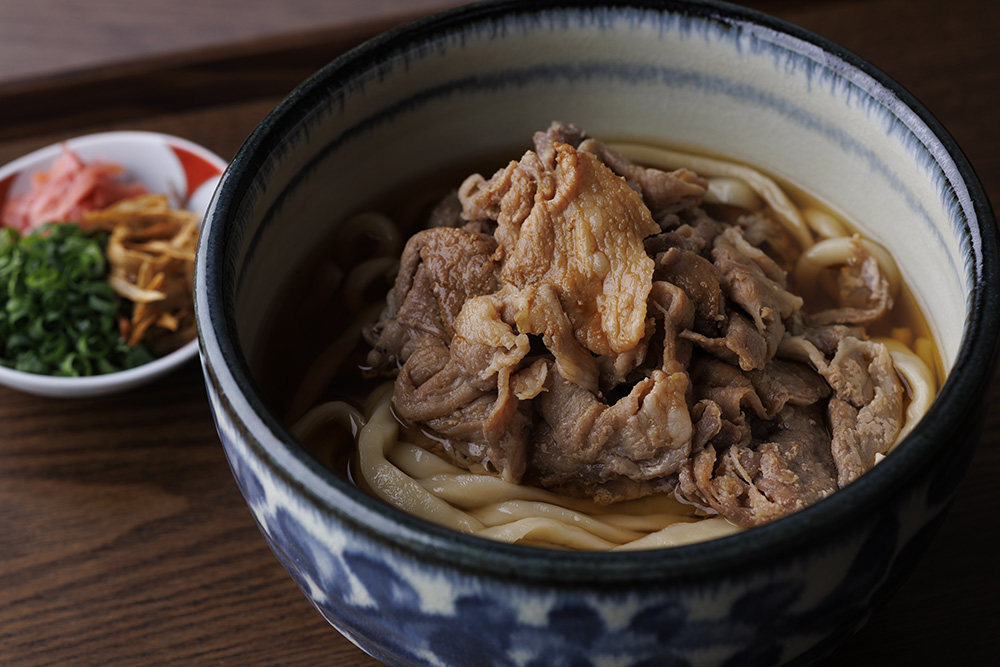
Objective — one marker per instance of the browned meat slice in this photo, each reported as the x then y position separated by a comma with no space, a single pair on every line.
699,279
763,392
583,324
502,322
589,446
762,231
671,313
674,311
790,470
558,133
788,465
578,228
440,269
864,294
754,282
827,337
450,391
432,386
727,386
867,411
683,237
795,465
740,343
712,428
447,212
787,382
664,192
697,224
618,370
538,310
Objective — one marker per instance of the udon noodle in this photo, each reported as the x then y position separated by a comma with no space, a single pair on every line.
409,467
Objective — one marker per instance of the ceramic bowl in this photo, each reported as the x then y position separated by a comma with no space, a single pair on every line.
477,81
181,169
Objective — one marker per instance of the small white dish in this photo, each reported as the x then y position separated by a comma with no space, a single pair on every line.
186,172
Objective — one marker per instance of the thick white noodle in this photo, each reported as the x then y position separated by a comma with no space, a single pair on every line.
732,192
540,530
764,186
471,490
372,225
363,275
683,533
518,510
423,484
329,362
343,414
823,224
394,486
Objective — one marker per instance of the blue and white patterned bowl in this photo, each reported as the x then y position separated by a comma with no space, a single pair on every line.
480,79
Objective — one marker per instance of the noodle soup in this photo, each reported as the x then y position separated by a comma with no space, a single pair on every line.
677,374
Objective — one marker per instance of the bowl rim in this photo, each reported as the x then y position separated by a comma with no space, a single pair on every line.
225,366
55,386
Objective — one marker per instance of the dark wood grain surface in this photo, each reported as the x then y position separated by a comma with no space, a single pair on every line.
123,537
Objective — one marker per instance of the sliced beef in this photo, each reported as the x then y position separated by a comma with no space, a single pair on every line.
788,471
712,428
587,444
696,224
581,323
447,212
682,237
439,271
557,133
864,292
727,386
617,371
538,310
753,281
451,391
739,342
786,382
866,413
674,313
699,279
664,192
762,231
827,337
578,228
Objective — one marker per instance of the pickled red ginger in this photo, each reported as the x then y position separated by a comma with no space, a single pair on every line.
66,191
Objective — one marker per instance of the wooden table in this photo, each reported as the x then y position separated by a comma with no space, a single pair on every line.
123,537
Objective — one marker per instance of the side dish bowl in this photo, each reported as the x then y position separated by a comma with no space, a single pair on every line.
477,81
184,171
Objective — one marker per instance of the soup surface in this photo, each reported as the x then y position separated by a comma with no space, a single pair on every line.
601,347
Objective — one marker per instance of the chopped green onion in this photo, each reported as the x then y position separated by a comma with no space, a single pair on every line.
58,313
